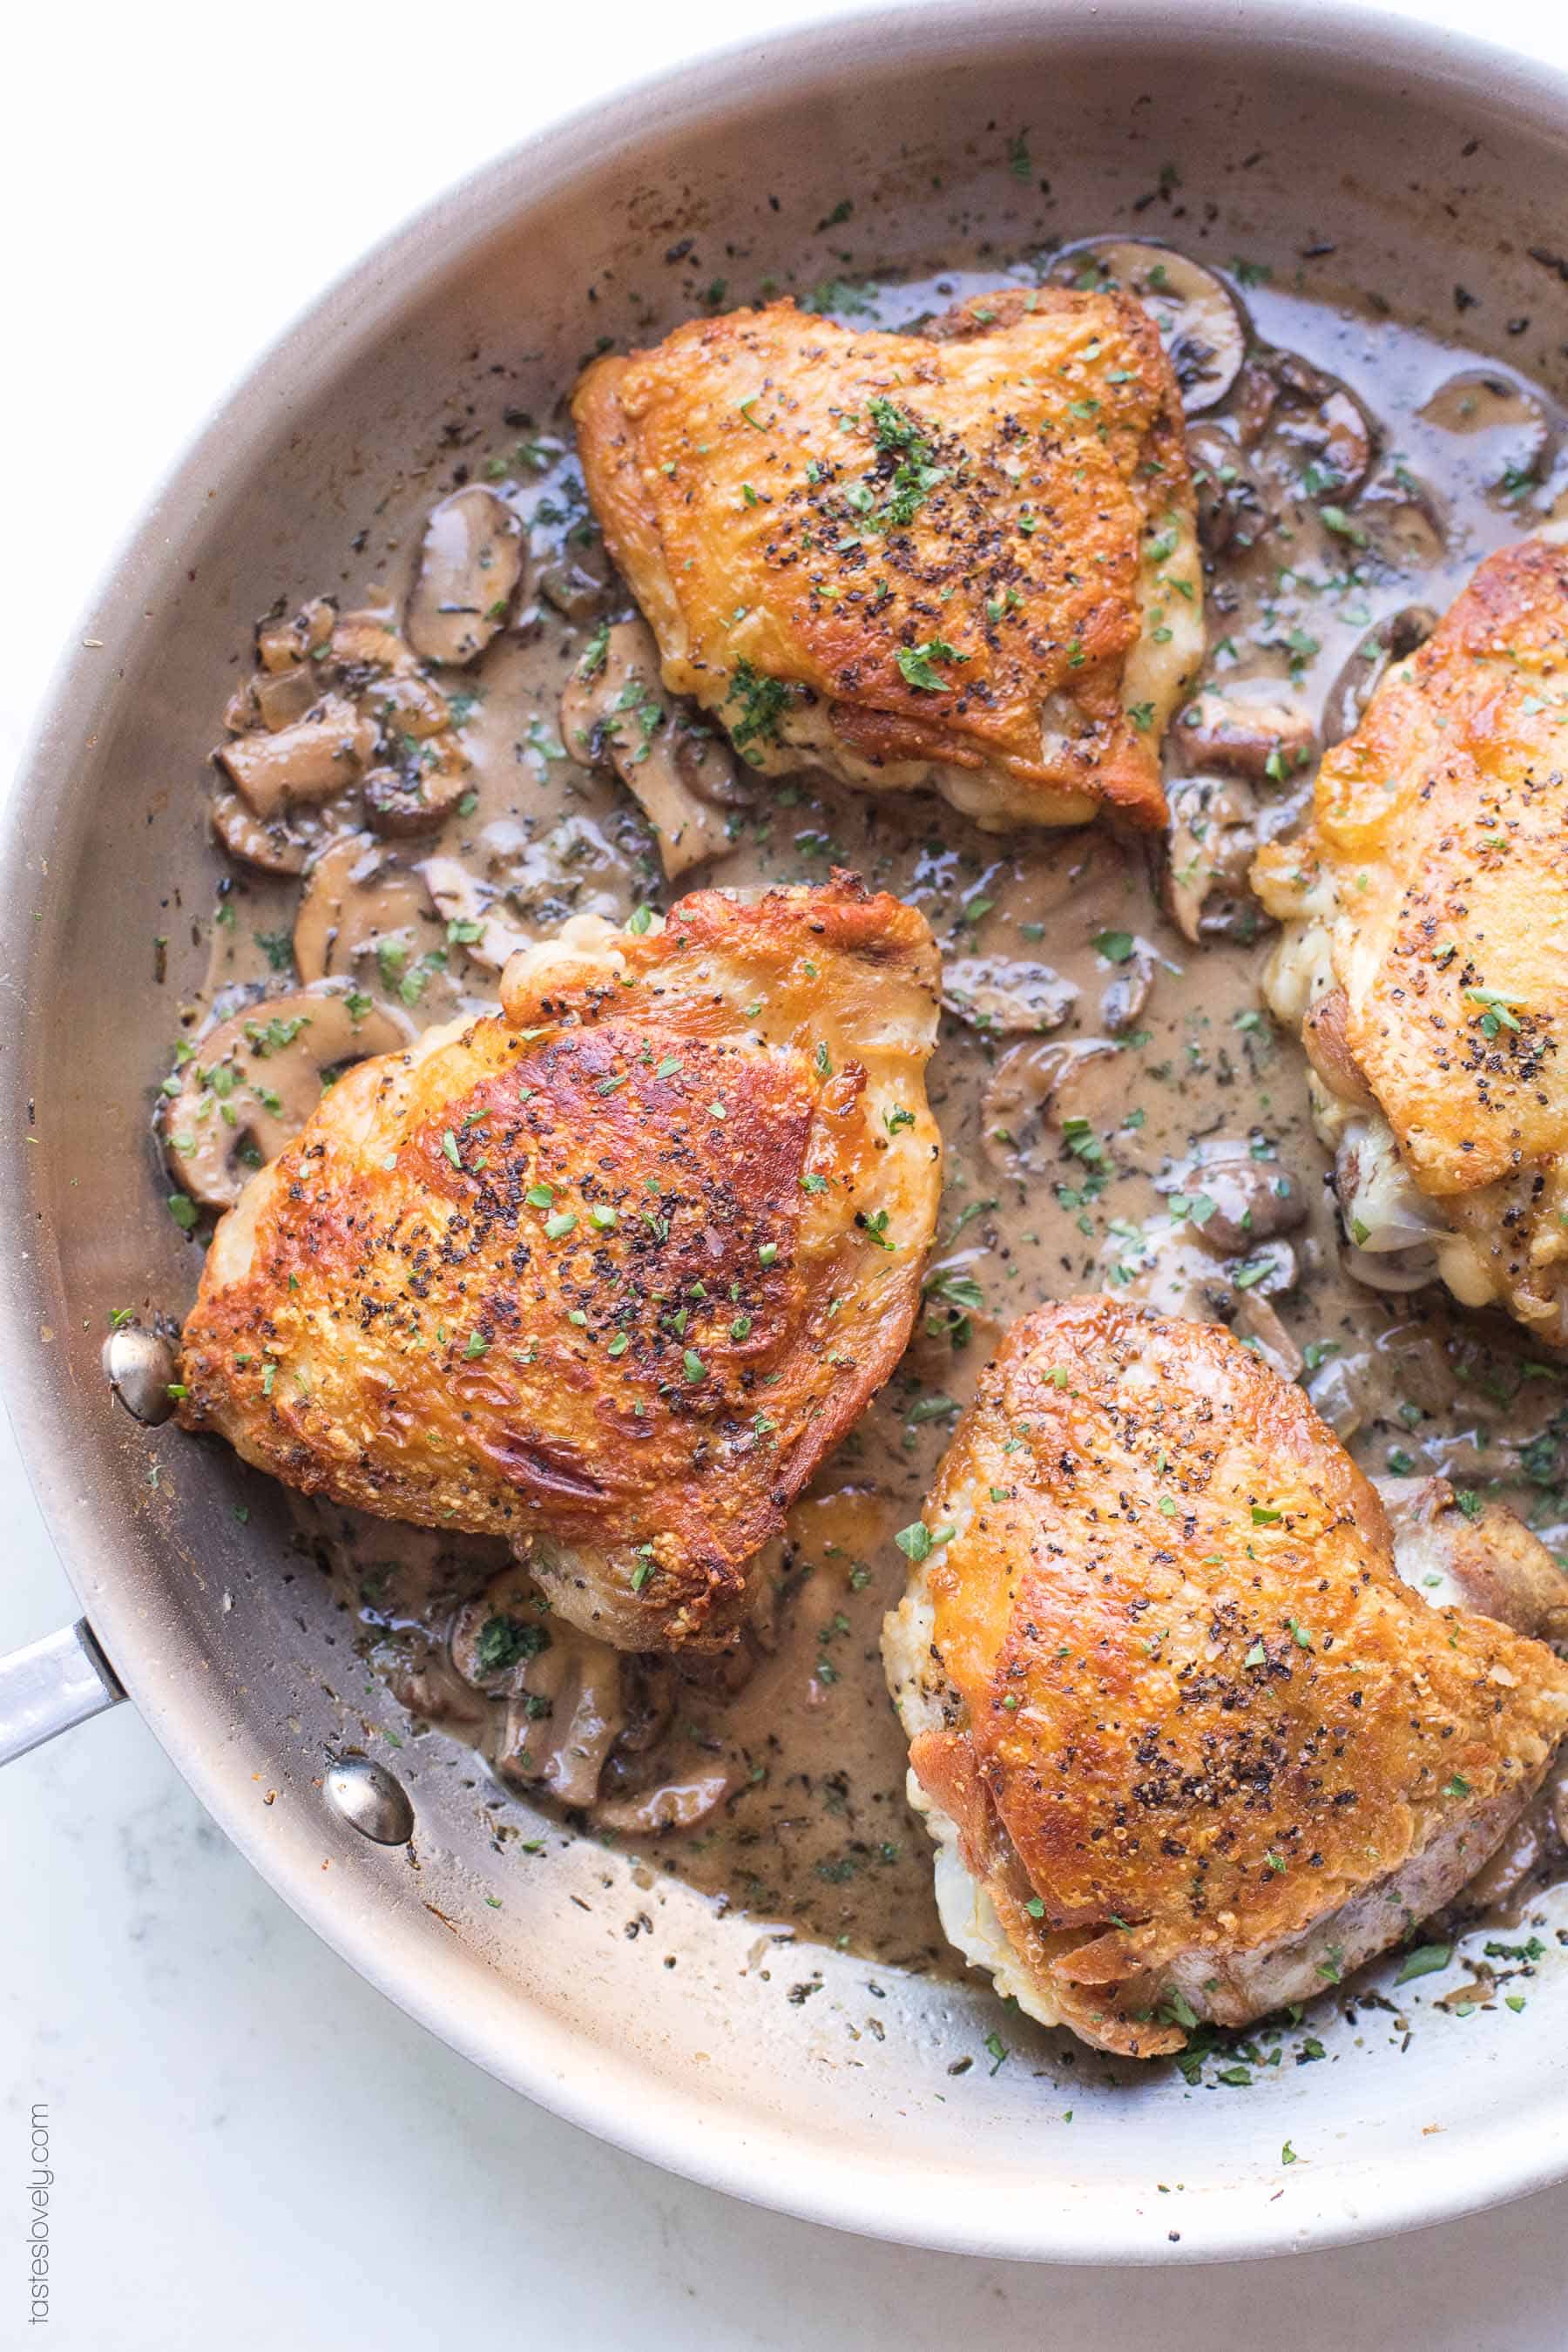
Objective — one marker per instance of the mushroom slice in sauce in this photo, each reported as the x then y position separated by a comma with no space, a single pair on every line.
282,643
1039,1094
579,580
1245,739
1504,424
1326,1043
275,849
1232,516
280,700
461,902
566,1694
1234,1200
1304,414
1213,839
357,894
614,703
420,794
1201,323
470,566
1127,992
312,761
252,1083
677,1802
1006,999
1391,639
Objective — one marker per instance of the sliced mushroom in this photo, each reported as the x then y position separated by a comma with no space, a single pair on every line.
1232,516
419,1672
1006,999
276,848
1306,415
560,1731
403,704
704,761
1391,639
619,707
497,1636
1036,1090
421,792
1488,1562
1404,519
1398,1271
311,761
1245,739
1343,1391
1505,425
462,904
283,697
1267,1270
1201,323
579,580
1259,1322
1235,1200
356,894
1213,839
367,643
1127,992
305,635
470,566
254,1080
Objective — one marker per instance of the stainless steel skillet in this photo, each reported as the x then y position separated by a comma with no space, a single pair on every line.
1429,164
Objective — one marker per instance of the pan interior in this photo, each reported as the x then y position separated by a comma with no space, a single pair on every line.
896,148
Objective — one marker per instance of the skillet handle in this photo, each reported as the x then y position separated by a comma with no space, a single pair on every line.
52,1685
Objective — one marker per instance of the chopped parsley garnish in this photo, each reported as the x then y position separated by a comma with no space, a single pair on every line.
1498,1012
503,1643
763,700
1424,1961
915,664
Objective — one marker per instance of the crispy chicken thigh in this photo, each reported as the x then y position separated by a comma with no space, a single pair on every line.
1188,1745
608,1273
1425,951
964,559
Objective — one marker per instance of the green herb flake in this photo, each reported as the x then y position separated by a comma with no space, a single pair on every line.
1425,1960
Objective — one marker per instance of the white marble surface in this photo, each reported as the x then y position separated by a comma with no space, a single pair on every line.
252,2147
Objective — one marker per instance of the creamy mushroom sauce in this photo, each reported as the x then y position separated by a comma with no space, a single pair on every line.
1157,1137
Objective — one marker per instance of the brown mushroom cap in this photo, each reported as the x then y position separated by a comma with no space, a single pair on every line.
313,760
356,894
464,905
675,773
1503,423
470,566
275,849
1245,739
1007,998
1035,1089
254,1080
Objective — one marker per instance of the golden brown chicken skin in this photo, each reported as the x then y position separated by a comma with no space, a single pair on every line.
1190,1745
966,558
1425,951
608,1273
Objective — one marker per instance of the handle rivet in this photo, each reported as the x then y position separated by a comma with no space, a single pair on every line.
370,1800
140,1367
